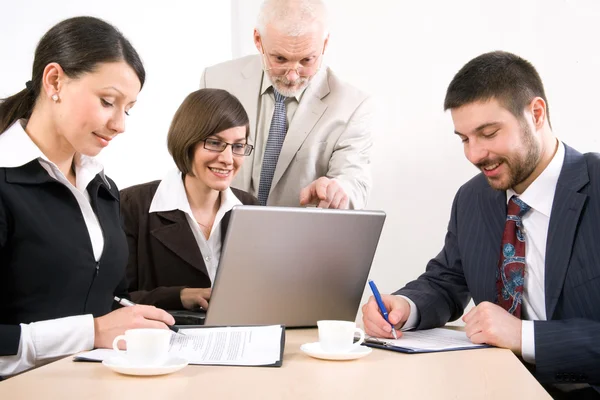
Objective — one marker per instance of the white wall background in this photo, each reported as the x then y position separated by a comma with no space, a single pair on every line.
403,52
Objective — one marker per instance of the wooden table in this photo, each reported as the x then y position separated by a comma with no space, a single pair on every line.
471,374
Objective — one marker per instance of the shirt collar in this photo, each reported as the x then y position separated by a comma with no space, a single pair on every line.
540,194
171,195
17,149
87,168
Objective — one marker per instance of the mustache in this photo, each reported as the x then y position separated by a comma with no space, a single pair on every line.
287,82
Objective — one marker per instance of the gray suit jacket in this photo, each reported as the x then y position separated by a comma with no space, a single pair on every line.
330,134
567,345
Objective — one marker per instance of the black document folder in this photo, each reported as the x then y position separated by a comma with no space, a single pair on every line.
247,346
278,363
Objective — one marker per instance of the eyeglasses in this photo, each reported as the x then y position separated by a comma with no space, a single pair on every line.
239,149
304,68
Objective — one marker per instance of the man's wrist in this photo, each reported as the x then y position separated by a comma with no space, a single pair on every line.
413,317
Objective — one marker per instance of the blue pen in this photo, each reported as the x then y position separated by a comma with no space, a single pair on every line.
382,308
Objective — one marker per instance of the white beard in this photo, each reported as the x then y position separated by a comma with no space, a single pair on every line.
281,85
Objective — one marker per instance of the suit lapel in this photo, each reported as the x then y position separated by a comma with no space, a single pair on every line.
564,219
310,109
175,234
251,82
493,204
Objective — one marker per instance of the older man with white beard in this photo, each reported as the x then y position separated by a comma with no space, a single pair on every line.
311,131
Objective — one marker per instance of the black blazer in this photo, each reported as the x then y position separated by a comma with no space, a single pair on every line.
164,256
567,345
47,265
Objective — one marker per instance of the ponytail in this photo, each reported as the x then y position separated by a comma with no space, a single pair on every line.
16,107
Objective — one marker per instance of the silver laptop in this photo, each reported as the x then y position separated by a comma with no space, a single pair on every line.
293,266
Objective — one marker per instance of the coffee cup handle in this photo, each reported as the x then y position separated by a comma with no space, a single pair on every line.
362,337
116,342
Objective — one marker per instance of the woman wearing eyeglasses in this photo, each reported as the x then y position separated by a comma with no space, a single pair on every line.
175,227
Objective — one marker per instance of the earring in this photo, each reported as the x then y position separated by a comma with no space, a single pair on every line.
55,97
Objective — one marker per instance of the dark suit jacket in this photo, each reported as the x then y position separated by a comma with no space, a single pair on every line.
164,256
567,345
47,264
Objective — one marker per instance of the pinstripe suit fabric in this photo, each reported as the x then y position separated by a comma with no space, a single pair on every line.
567,346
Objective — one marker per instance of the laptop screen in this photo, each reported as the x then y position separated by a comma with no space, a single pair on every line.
293,266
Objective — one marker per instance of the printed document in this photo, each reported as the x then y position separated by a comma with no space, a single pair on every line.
256,345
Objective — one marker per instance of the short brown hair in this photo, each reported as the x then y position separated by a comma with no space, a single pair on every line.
203,113
506,77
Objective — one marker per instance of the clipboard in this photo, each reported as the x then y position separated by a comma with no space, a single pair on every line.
381,344
425,341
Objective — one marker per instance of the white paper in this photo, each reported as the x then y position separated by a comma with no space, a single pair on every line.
259,345
438,339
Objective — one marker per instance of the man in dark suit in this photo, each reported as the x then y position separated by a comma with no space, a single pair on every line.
522,235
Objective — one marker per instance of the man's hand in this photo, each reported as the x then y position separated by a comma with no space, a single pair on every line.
109,326
489,323
192,298
398,312
325,193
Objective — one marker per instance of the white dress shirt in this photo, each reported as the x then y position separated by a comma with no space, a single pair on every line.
44,341
540,197
171,195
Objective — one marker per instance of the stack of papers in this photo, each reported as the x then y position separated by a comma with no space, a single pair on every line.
245,346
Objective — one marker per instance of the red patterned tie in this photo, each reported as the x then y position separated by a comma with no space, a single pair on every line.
510,275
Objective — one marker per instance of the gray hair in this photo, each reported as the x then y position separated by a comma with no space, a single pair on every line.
292,17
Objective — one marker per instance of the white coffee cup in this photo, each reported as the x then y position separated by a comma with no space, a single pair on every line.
338,336
145,346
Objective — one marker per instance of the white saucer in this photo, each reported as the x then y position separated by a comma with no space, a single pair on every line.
315,350
121,365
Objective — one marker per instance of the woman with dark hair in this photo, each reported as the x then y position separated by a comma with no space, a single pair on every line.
175,227
62,248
